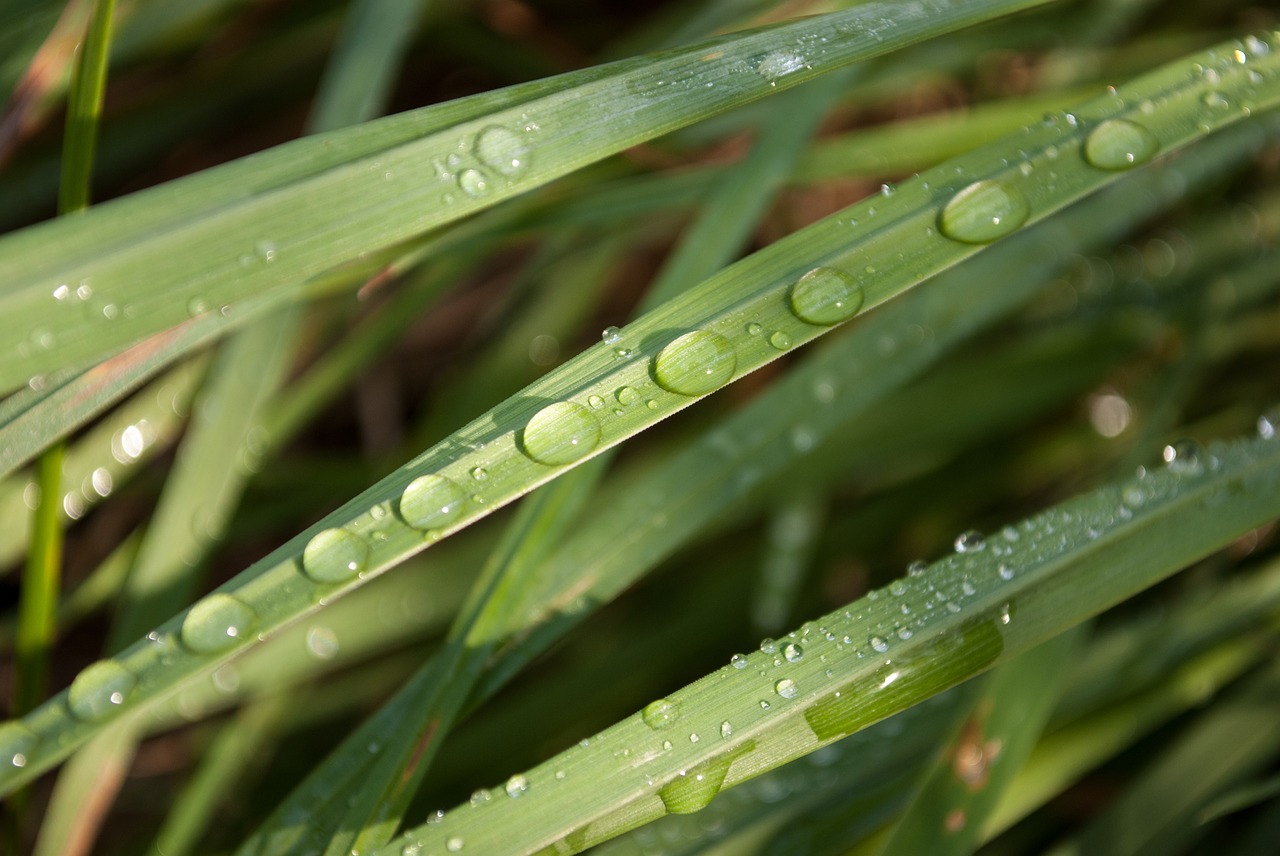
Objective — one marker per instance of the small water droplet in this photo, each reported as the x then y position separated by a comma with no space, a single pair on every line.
695,364
779,63
1183,456
431,502
100,690
334,556
626,396
754,329
780,341
1119,144
1268,423
560,433
1006,572
793,652
17,744
660,714
969,542
503,150
473,183
826,296
878,644
916,568
596,402
738,661
216,623
454,844
768,646
610,335
786,688
479,473
983,212
516,785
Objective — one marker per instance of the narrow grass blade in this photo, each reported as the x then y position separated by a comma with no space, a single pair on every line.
949,811
683,351
277,218
41,584
85,791
859,665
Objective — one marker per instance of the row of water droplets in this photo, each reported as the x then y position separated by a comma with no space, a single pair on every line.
495,153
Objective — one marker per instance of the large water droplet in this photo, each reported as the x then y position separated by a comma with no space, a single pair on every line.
660,714
560,433
516,785
431,502
695,364
217,623
694,788
826,296
793,652
99,691
17,743
786,688
1120,144
334,556
503,150
983,212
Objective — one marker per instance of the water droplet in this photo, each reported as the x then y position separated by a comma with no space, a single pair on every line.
793,652
480,796
334,556
516,785
897,588
969,542
479,473
473,183
503,150
739,661
216,623
754,329
983,212
1006,572
454,844
786,688
660,714
878,644
1268,423
768,646
596,402
1118,144
780,63
1183,456
610,335
693,737
904,633
431,502
560,433
626,396
98,692
17,743
695,364
826,296
780,340
916,568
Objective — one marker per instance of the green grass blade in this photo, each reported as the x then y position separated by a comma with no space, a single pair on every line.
1067,564
279,217
41,583
531,438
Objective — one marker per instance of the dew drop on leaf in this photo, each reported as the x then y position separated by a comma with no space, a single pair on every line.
984,211
216,623
697,363
826,296
431,502
334,555
660,714
786,688
17,743
503,150
1119,144
99,691
560,433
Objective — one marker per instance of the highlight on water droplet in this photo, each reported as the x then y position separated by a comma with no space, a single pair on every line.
969,542
697,363
432,502
503,150
560,433
334,556
216,623
984,211
793,652
786,688
826,296
17,743
100,690
660,714
1118,144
